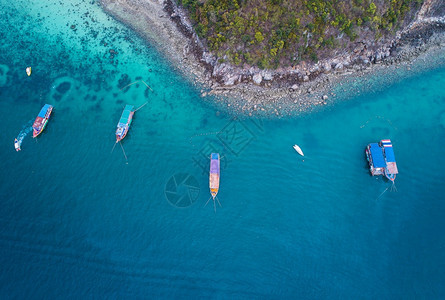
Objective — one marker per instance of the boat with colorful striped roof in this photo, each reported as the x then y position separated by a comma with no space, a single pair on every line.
214,174
41,120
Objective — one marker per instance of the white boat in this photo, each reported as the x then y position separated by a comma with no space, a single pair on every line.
298,149
17,145
28,71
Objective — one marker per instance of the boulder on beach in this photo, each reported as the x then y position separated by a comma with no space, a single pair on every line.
257,78
267,75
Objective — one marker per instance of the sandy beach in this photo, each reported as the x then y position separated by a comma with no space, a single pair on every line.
286,91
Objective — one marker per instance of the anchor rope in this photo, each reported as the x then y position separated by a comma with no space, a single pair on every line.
137,82
382,194
123,152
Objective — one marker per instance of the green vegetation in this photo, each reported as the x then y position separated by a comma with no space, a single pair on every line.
271,32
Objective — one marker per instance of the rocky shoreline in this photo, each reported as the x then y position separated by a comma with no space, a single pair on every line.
285,90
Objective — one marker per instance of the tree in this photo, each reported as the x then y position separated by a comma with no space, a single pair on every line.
259,36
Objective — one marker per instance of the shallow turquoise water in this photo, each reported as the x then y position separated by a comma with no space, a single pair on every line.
78,220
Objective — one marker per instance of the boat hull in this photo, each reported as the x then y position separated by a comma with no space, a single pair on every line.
214,192
41,121
122,136
374,171
36,132
391,166
214,174
124,123
298,149
381,159
391,177
16,145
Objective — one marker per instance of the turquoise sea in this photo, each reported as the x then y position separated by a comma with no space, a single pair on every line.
80,221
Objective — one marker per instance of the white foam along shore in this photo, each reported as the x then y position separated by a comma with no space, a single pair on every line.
284,91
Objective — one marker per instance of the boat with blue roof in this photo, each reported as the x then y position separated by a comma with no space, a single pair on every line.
391,167
41,120
381,159
124,122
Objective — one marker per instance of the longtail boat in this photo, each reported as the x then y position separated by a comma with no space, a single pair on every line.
124,123
214,174
41,120
391,167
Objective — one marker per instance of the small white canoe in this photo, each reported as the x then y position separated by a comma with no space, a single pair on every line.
16,145
298,149
28,71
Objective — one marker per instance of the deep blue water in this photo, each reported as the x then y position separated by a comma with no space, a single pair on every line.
77,220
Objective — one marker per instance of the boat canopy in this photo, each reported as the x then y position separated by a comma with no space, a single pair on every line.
37,123
126,114
392,168
214,164
389,152
378,160
43,111
214,181
214,173
391,165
